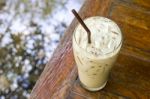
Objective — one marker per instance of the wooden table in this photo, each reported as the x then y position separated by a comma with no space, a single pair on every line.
130,77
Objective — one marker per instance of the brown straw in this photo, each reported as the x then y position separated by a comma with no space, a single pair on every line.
83,24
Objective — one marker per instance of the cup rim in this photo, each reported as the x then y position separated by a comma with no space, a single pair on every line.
119,45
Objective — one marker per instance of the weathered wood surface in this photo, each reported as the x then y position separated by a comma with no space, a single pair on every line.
130,77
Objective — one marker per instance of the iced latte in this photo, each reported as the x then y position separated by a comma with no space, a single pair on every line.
95,60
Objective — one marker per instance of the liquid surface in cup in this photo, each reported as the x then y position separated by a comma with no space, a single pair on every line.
95,60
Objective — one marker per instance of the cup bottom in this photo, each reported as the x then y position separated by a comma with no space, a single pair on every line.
93,89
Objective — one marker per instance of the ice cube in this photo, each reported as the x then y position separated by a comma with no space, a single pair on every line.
97,44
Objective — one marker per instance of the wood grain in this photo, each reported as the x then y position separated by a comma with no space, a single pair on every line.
143,4
77,90
129,77
134,23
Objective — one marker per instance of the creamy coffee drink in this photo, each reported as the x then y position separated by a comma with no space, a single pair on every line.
95,60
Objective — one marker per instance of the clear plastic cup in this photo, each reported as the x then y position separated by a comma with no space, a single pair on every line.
94,70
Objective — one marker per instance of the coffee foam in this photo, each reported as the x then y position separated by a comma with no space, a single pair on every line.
105,36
